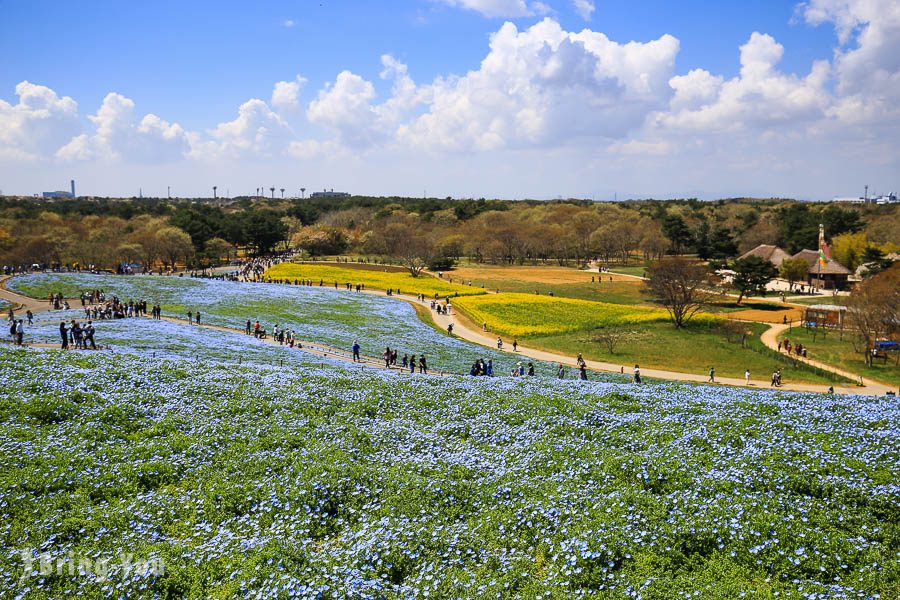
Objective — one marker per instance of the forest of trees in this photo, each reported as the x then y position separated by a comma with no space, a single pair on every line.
431,231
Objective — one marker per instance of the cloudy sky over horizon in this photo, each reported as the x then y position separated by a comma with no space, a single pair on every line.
497,98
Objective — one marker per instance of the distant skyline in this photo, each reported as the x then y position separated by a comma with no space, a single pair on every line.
465,98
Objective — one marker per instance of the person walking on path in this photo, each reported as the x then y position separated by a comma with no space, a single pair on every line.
190,317
515,345
198,318
449,328
747,377
30,316
499,343
712,375
20,332
64,334
423,366
249,326
356,352
412,363
637,374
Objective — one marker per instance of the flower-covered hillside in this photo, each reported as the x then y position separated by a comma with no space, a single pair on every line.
335,483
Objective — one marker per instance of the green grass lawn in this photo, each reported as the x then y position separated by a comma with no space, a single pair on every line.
614,292
638,270
690,350
840,353
728,305
839,300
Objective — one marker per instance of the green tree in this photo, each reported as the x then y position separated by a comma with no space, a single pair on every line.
677,231
263,230
797,228
794,269
216,248
751,275
722,244
174,244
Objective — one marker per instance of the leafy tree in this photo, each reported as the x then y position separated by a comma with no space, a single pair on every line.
873,308
263,229
751,275
701,240
677,231
201,222
216,248
848,249
798,228
794,269
318,241
681,285
722,244
174,244
839,220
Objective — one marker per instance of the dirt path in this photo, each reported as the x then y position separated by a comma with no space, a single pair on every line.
21,303
770,339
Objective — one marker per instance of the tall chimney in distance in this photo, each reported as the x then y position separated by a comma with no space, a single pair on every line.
73,187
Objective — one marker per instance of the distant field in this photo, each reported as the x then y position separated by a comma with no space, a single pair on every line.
530,314
371,278
563,282
840,300
638,271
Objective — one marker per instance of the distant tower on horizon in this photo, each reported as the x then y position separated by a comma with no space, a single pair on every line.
73,187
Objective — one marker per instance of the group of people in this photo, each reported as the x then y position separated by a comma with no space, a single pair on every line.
392,360
799,349
284,336
77,335
17,329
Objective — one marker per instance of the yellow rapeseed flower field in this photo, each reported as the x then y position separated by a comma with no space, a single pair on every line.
371,278
524,315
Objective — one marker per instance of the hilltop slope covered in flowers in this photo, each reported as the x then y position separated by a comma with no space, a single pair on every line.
333,483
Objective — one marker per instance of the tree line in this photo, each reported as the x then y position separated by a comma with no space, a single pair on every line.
433,232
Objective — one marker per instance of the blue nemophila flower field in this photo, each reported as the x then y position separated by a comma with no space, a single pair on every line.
333,482
325,315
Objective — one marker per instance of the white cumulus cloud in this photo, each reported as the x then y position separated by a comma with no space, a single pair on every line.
257,132
286,94
118,135
585,8
501,8
38,124
761,96
544,85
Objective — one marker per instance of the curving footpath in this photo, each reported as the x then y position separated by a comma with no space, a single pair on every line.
770,339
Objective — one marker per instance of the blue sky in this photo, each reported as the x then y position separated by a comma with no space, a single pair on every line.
194,64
